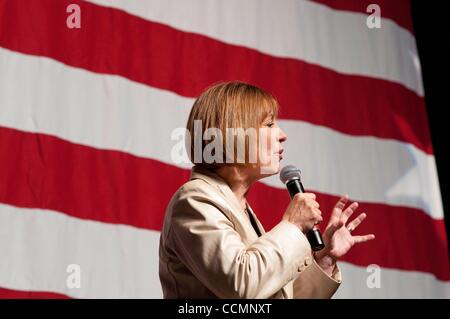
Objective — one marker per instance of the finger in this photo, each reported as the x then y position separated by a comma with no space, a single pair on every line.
313,203
310,195
341,202
337,210
355,223
362,239
349,211
318,215
334,226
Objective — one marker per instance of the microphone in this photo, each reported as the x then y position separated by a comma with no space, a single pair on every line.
291,177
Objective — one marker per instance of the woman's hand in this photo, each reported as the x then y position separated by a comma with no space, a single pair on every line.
303,211
337,236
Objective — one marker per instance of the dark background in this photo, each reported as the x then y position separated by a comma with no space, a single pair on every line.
432,35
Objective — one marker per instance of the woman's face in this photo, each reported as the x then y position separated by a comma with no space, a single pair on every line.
270,148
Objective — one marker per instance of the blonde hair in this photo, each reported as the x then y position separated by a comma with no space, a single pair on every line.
229,105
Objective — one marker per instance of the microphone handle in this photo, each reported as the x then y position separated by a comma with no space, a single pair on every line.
314,236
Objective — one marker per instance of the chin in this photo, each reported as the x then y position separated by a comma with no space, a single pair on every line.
272,169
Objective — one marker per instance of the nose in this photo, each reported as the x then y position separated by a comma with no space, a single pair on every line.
282,137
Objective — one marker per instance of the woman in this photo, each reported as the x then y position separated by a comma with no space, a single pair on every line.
212,244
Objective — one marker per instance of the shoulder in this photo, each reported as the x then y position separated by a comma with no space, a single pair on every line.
197,204
194,189
196,197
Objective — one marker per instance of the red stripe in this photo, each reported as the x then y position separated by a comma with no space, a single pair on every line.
22,294
396,10
114,187
108,186
186,63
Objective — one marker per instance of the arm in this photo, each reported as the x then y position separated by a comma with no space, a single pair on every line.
314,282
206,242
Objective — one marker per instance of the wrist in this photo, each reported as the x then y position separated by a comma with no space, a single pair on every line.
327,263
295,224
300,227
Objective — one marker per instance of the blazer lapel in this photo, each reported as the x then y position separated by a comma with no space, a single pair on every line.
215,180
258,223
238,213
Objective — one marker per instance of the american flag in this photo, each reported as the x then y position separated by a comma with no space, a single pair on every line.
91,92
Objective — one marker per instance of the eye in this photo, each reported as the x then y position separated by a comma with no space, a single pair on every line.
271,124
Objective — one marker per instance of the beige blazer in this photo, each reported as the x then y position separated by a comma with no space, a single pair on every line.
209,249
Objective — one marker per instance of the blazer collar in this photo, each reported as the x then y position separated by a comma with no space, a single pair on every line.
215,180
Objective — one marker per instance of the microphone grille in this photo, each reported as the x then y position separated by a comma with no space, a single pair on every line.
288,173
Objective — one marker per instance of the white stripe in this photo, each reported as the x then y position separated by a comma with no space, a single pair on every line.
122,262
116,261
360,282
110,112
335,39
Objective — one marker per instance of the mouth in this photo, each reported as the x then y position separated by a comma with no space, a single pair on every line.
280,153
